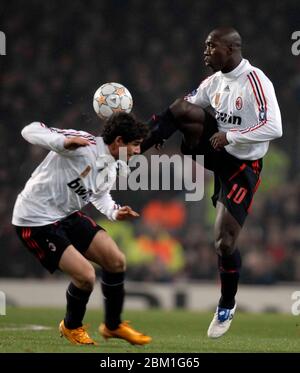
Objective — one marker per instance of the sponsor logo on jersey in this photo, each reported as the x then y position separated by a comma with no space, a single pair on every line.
230,119
239,103
79,189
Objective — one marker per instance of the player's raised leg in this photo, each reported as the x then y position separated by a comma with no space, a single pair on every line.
182,116
229,262
83,279
104,251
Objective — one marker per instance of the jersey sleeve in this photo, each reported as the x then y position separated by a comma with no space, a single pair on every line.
106,205
264,103
200,95
37,133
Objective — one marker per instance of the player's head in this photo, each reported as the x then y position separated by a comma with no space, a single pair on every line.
124,130
223,49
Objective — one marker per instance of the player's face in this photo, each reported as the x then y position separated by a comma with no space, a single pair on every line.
216,53
132,148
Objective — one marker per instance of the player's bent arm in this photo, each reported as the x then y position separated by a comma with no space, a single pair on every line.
38,133
262,131
106,205
268,125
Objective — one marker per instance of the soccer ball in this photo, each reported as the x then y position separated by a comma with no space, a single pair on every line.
112,98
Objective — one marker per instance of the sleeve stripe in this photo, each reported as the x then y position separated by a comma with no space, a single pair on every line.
90,139
261,89
87,138
258,90
254,127
70,133
260,99
248,76
250,129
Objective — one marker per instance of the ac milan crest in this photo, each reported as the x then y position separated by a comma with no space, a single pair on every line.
239,103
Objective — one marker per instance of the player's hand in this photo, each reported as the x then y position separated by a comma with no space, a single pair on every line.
72,143
218,140
126,212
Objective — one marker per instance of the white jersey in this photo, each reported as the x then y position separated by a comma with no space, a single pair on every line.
245,108
66,180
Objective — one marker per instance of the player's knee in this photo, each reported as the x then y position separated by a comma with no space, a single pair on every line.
179,107
225,245
86,280
117,264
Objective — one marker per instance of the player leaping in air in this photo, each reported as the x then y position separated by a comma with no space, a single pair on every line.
234,140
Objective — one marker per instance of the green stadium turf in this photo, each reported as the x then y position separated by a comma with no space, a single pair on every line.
172,331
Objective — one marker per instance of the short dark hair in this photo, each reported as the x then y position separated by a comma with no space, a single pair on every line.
124,125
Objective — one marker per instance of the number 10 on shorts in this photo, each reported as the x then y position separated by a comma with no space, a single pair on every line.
238,194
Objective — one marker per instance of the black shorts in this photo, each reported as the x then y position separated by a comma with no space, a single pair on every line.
236,180
48,242
235,185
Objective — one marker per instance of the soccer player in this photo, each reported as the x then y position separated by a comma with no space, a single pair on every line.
234,141
79,169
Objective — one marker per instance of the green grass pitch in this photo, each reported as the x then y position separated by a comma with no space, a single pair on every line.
172,331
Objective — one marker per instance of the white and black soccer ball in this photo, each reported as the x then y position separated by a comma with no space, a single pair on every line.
112,98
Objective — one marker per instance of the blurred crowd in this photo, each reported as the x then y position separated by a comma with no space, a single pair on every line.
57,56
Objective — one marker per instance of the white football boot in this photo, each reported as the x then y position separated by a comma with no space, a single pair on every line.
221,322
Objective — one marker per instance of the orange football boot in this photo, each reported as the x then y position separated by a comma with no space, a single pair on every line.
78,336
124,331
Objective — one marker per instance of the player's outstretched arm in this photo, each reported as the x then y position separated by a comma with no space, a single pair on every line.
126,212
107,206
